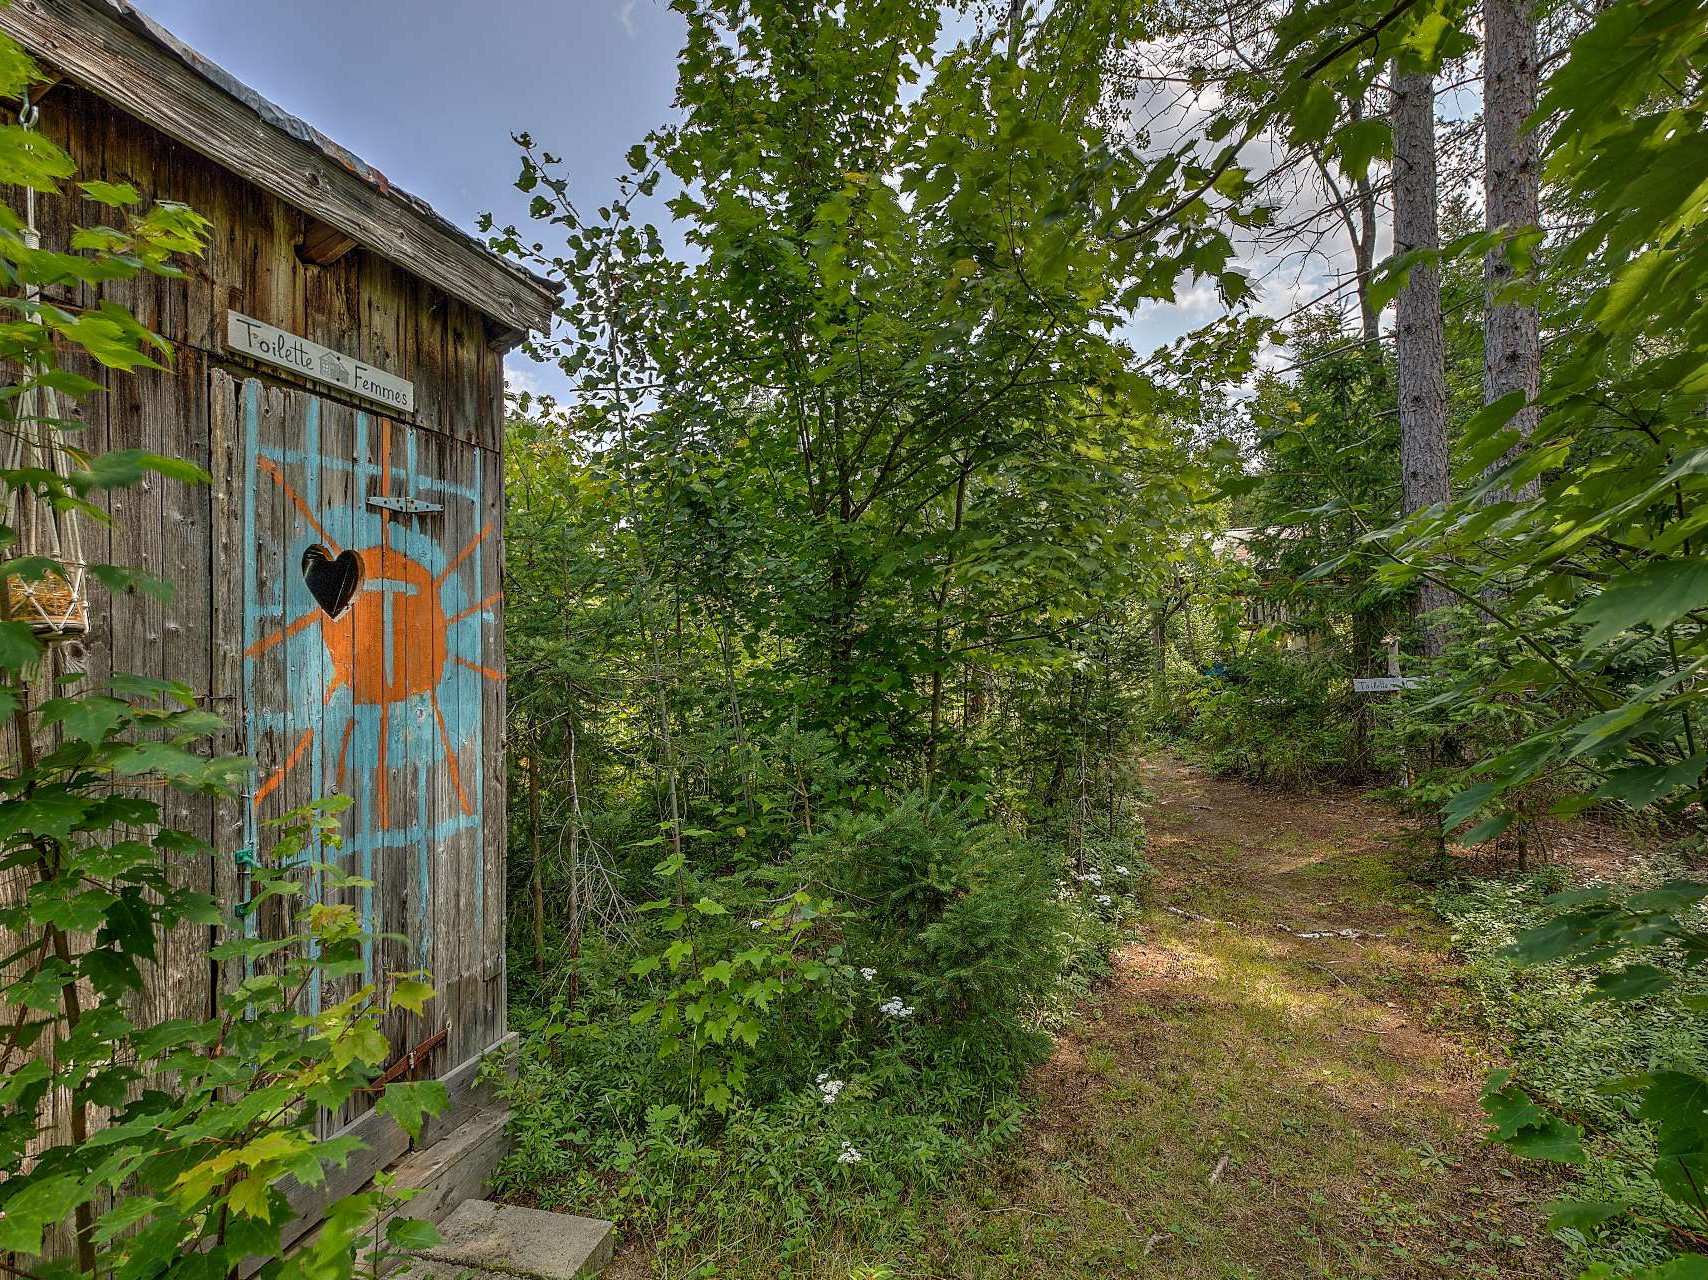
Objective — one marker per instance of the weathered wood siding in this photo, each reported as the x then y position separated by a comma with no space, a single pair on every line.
398,701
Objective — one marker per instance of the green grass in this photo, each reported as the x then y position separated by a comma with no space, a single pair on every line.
1333,1076
1257,1065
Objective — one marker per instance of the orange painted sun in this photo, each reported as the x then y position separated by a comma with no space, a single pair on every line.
389,644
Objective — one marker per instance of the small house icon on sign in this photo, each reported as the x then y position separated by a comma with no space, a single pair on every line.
333,369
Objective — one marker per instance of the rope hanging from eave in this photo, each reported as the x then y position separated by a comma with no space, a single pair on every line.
55,604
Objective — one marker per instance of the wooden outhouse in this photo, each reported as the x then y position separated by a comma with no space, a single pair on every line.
338,371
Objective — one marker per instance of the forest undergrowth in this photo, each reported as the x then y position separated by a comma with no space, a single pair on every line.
867,547
1564,1045
1276,1075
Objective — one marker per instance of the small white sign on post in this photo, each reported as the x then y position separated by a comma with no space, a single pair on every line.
271,344
1384,684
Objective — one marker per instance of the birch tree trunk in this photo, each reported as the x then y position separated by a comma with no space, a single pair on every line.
1418,342
1512,353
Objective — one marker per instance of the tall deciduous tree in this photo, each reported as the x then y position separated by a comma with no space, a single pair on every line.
1512,353
899,316
1420,359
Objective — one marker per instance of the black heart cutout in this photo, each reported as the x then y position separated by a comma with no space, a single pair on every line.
332,580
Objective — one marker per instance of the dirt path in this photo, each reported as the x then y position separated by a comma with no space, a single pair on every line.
1244,1101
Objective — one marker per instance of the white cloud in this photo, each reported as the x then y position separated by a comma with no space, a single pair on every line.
522,374
626,16
1306,257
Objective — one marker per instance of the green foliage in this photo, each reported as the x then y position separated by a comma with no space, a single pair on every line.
721,980
824,647
202,1119
1599,1055
1273,715
964,917
769,1063
762,1180
877,417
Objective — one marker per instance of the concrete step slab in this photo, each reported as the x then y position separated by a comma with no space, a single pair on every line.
422,1269
512,1241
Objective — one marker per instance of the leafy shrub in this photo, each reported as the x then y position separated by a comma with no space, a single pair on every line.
831,1055
738,993
202,1121
1274,716
1476,708
838,1118
591,1131
961,918
1565,1048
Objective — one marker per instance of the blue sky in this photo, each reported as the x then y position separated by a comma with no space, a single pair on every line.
429,92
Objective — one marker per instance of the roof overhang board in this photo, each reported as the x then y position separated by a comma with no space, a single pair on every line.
87,44
323,244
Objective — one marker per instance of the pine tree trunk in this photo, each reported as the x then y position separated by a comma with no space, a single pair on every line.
1418,342
1512,352
1159,661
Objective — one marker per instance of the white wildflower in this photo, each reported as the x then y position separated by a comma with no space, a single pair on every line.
1122,871
755,924
1104,899
828,1088
849,1154
868,974
1093,878
894,1008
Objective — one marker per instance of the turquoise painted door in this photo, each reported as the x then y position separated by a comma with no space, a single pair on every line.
371,652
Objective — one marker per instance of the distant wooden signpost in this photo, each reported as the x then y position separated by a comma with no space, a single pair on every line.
1384,684
1393,682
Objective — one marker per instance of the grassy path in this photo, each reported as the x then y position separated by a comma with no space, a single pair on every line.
1241,1100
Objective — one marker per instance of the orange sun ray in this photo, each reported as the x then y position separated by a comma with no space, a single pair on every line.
488,672
450,756
344,749
463,554
487,603
266,464
272,784
282,634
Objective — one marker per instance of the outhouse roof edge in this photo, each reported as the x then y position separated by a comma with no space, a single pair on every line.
55,31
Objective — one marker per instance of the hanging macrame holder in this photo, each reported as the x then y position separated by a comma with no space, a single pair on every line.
55,605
